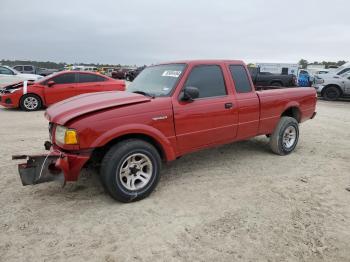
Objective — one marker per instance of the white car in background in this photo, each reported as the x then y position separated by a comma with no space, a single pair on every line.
320,78
332,88
9,76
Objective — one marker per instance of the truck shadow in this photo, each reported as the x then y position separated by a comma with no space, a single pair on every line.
343,99
89,187
5,109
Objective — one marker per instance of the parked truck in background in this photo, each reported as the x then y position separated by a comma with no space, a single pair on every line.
270,79
168,111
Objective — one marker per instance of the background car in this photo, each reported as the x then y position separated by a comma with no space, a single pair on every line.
305,78
9,75
120,73
332,88
30,69
132,74
32,96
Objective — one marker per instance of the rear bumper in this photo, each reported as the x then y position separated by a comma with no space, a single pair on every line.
313,115
54,166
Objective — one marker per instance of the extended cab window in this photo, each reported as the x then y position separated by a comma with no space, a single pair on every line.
64,78
208,79
88,78
240,77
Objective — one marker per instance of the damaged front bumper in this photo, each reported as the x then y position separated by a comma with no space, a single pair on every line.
54,166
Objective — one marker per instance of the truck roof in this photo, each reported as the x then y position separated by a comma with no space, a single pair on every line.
204,61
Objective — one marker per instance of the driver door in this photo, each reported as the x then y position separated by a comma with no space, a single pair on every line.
209,119
63,87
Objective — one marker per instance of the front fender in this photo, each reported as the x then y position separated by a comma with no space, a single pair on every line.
137,129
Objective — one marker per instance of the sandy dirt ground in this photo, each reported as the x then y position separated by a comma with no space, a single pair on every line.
237,202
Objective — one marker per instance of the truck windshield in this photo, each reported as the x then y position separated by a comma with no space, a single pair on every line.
157,80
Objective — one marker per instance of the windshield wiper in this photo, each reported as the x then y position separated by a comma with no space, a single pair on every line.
144,93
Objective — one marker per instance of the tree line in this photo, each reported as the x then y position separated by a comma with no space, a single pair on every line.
304,63
50,65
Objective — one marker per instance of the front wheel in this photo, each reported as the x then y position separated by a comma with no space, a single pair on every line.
130,170
331,93
30,102
285,137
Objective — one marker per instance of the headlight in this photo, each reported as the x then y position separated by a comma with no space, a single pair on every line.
66,136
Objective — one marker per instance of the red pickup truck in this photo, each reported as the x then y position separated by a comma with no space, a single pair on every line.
169,110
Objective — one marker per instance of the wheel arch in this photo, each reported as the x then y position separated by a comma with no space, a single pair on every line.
154,137
279,81
34,94
293,111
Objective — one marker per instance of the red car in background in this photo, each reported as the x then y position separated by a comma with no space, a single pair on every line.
31,96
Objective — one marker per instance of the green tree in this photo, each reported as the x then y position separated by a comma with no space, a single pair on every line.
303,63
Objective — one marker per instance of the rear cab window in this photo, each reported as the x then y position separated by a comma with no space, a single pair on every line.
240,79
209,80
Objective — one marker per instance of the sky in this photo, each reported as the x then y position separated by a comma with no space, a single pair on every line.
151,31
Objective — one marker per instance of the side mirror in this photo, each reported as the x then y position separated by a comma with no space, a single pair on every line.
190,93
50,83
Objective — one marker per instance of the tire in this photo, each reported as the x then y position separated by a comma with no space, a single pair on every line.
285,137
130,170
331,93
30,102
276,84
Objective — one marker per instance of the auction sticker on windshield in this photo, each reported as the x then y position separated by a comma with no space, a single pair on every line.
171,73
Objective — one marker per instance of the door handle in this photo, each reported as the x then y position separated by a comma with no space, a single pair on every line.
228,105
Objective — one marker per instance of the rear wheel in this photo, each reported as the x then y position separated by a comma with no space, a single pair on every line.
285,137
30,102
331,93
131,170
276,84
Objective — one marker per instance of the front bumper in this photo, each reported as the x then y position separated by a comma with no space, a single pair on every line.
318,88
54,166
9,100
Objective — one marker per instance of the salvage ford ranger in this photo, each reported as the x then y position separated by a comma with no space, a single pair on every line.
169,110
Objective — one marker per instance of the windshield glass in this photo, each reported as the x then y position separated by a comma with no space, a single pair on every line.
157,80
13,70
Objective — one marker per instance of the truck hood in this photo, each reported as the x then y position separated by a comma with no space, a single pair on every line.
66,110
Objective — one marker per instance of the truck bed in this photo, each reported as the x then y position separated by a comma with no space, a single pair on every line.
274,100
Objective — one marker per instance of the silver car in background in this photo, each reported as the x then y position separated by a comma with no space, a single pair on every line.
333,86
